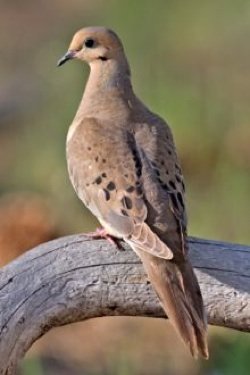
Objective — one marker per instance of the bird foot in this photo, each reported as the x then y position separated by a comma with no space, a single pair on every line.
101,233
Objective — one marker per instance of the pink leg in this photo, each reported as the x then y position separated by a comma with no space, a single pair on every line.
101,233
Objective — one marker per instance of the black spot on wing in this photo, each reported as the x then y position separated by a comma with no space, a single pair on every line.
106,194
172,184
178,179
138,190
174,201
180,199
177,167
183,186
98,180
124,212
165,187
158,173
111,186
130,189
127,202
136,155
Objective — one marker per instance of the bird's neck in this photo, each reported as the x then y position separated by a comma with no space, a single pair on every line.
108,85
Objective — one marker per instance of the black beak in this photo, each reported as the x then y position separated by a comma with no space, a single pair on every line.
68,56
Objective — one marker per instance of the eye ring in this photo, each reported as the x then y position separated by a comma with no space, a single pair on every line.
89,43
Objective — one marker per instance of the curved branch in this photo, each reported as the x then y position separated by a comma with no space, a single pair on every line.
72,279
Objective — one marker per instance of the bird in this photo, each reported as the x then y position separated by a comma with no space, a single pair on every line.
123,165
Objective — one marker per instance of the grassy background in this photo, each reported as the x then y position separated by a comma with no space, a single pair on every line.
190,63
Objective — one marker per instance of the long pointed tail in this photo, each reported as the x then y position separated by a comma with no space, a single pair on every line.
179,292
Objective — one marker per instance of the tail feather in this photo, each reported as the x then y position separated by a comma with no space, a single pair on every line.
178,290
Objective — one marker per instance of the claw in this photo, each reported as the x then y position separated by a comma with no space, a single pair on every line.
101,233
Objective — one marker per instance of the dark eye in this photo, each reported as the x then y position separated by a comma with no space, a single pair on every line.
89,43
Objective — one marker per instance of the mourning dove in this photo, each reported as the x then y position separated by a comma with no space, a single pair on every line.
123,166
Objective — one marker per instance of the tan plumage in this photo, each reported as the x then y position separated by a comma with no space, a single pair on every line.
123,166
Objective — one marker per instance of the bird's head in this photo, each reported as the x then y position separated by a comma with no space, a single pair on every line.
93,44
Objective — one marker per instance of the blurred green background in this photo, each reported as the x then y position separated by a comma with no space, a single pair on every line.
190,63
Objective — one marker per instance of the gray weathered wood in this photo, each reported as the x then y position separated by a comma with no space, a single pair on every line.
72,279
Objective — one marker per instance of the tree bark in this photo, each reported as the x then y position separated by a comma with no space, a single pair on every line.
73,278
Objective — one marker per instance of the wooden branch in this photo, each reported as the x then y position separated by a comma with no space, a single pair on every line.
72,279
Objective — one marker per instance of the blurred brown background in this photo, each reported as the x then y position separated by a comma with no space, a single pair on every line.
190,63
